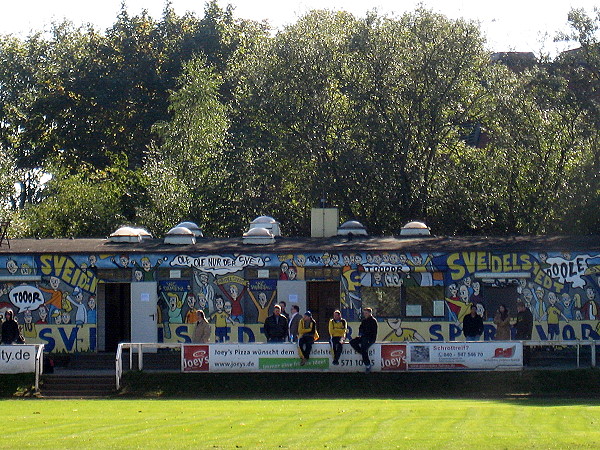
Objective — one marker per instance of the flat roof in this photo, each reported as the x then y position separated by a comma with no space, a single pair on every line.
336,244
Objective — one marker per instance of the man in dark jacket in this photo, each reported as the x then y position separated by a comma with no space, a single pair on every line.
367,335
524,324
276,326
473,325
524,328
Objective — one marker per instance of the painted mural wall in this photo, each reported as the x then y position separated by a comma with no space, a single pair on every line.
416,296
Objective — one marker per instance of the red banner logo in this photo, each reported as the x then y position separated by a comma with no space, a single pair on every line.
195,358
393,357
504,352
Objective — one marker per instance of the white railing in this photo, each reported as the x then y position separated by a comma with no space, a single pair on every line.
139,347
39,365
562,343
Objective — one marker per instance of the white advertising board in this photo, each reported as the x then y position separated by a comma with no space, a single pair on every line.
489,355
17,358
396,357
271,358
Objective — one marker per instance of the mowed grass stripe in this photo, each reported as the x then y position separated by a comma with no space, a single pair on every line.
356,423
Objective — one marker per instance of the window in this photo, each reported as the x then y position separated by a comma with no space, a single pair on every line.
419,301
385,301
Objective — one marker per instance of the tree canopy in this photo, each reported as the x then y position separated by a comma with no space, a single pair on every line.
218,120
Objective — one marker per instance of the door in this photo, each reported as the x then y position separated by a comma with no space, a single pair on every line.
292,293
117,316
323,300
144,300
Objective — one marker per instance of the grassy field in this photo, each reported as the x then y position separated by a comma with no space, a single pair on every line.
315,423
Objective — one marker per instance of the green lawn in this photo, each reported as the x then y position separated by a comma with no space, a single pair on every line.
306,424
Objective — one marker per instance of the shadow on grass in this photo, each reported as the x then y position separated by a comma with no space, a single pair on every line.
543,387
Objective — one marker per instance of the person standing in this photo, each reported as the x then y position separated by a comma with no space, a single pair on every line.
502,322
10,329
367,335
294,320
276,326
524,328
337,333
473,325
307,334
202,330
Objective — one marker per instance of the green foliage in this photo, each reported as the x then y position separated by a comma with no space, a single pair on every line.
88,203
215,120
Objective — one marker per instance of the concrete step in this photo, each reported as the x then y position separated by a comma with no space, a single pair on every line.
77,386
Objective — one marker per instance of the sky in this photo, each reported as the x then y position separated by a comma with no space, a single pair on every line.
509,25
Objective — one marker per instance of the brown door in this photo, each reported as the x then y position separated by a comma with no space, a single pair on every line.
323,299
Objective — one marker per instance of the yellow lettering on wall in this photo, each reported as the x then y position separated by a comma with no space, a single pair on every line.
457,271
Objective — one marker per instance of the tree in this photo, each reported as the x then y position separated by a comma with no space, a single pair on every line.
181,167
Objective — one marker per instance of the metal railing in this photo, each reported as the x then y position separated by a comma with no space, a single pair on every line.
139,347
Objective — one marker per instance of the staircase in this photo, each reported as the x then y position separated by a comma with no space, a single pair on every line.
82,376
77,386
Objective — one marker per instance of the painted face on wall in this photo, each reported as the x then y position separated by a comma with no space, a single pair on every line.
292,273
92,302
402,259
476,288
124,259
300,260
590,294
191,301
26,269
453,291
417,259
58,319
377,277
202,300
43,313
376,259
392,279
227,307
348,259
464,293
357,259
233,291
394,258
66,318
219,303
12,266
146,264
92,259
54,283
566,300
138,275
527,295
552,298
262,299
335,259
172,301
27,317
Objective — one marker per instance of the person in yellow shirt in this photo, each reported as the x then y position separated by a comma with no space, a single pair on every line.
337,333
307,333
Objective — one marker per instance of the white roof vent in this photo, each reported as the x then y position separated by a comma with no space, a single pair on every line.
192,227
258,236
415,229
127,234
180,236
352,228
268,223
144,234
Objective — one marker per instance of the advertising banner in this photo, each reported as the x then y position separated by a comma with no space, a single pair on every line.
384,357
465,356
17,358
271,358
